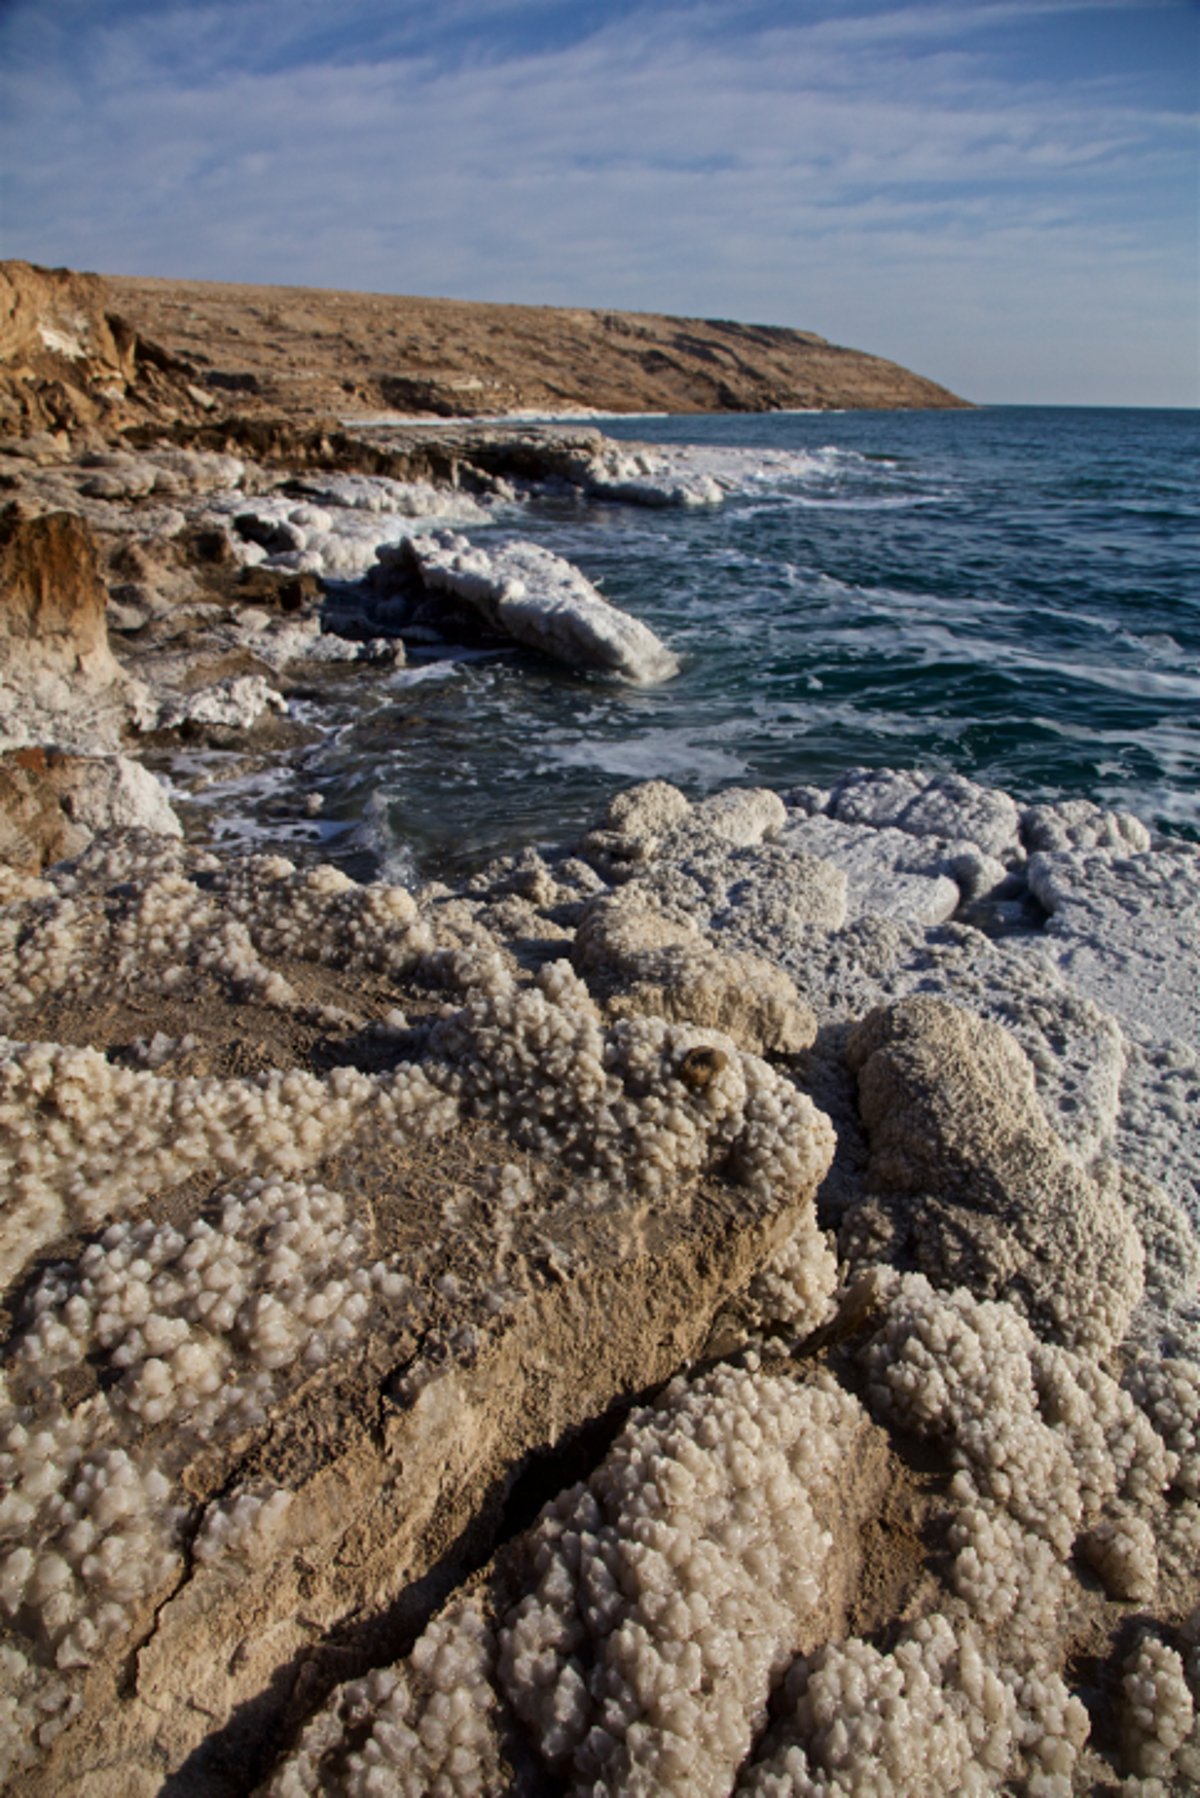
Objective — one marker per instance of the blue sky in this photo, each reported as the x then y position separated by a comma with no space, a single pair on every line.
999,193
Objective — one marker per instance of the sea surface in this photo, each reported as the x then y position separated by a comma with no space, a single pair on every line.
1009,592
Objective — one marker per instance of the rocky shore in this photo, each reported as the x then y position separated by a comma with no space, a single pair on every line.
709,1309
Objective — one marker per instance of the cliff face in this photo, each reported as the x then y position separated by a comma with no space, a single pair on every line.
306,351
68,360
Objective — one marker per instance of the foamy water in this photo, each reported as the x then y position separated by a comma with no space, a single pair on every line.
1008,592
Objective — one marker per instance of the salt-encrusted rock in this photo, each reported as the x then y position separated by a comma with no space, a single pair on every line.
740,816
887,874
1124,929
941,805
52,803
653,1606
633,824
763,895
356,519
643,963
238,703
991,1199
35,830
58,677
337,1325
531,595
1080,824
641,476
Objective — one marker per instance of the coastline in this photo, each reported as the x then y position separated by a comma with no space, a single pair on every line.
708,1307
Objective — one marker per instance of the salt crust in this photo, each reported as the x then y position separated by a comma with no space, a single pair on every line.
533,596
931,1715
1161,1737
1054,1458
425,1727
664,1598
339,531
202,1330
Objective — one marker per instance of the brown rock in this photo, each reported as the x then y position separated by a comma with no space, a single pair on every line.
68,361
51,597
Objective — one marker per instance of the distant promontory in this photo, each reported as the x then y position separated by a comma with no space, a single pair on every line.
197,347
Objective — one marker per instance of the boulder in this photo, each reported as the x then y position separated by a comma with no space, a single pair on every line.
980,1184
529,594
52,803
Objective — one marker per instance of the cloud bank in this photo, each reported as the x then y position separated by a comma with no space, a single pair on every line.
1001,196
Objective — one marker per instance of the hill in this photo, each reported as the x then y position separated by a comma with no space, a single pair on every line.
110,351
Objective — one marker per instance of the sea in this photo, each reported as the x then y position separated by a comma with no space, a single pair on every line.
1010,592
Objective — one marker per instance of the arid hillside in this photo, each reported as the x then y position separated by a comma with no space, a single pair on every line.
307,351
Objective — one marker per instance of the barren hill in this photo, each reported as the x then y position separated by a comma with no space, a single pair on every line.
307,351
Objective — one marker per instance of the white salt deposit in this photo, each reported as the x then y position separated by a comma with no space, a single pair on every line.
528,593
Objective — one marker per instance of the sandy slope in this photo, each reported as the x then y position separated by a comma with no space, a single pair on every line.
306,350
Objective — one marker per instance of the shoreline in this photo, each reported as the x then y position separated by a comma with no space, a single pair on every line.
399,1092
708,1307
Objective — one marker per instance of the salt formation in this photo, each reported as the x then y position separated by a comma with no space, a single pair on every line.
645,962
533,596
645,1102
338,532
644,477
237,702
425,1728
670,1588
931,1715
201,1329
287,1338
991,1199
664,1596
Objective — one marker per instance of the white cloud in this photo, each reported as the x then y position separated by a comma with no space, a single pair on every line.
823,174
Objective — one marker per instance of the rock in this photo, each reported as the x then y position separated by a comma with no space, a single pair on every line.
52,804
319,1375
527,593
643,963
941,805
58,677
52,600
1123,928
67,360
1080,824
35,830
740,816
889,873
237,703
983,1187
641,477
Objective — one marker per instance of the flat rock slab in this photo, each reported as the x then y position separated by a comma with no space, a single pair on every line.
1124,929
888,873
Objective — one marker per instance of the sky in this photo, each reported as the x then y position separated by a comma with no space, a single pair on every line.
1001,194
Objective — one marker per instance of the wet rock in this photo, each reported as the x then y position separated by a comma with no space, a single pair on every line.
533,596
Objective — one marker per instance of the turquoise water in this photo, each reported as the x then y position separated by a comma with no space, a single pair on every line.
1013,593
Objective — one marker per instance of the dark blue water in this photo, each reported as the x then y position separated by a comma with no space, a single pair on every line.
1011,592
